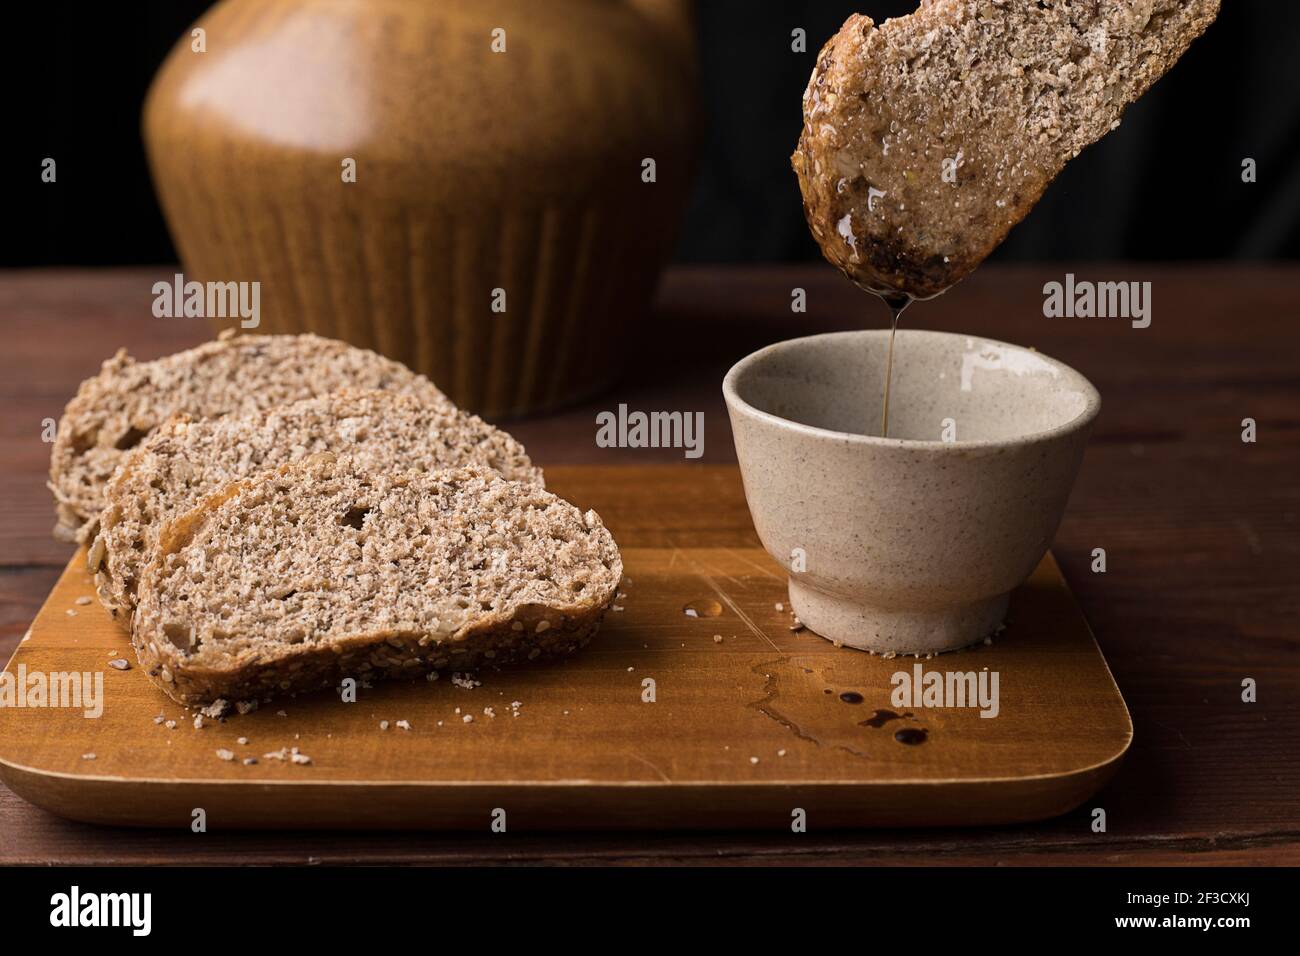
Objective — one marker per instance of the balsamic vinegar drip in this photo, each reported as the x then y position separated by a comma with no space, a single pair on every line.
898,303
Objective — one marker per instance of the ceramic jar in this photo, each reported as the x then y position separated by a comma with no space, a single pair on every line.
460,186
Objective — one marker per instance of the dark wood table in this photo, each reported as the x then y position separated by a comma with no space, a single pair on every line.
1202,588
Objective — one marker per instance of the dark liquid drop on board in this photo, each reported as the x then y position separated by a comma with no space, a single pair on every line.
882,717
910,736
898,303
851,697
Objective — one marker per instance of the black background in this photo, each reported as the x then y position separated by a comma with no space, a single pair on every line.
1018,905
1166,185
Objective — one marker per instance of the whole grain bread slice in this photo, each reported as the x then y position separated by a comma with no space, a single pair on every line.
296,578
928,137
169,472
234,375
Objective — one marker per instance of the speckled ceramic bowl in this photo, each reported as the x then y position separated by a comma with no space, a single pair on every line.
909,544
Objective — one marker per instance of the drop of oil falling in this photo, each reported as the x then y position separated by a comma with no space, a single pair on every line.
898,303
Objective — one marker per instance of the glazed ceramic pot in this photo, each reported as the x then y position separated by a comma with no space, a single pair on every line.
909,544
498,231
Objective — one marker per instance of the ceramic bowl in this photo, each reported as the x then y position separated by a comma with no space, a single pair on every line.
909,544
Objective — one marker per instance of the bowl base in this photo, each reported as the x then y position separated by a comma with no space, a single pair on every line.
889,631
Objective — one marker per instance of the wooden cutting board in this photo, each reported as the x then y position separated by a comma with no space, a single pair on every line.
747,731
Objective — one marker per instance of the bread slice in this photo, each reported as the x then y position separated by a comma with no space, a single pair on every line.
178,464
320,570
1003,93
235,375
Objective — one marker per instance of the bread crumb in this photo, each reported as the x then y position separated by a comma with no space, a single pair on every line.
198,721
245,706
242,741
404,724
292,754
468,718
225,754
70,612
170,725
249,761
780,606
120,663
717,638
87,756
83,600
753,760
383,725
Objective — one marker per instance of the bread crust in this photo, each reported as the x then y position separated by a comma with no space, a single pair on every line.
928,137
383,655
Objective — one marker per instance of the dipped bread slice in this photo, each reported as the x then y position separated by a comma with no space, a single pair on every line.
926,138
235,375
169,472
320,570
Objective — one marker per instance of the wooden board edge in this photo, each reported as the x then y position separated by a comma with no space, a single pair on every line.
560,805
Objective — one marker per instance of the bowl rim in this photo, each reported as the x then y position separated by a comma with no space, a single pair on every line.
1081,421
